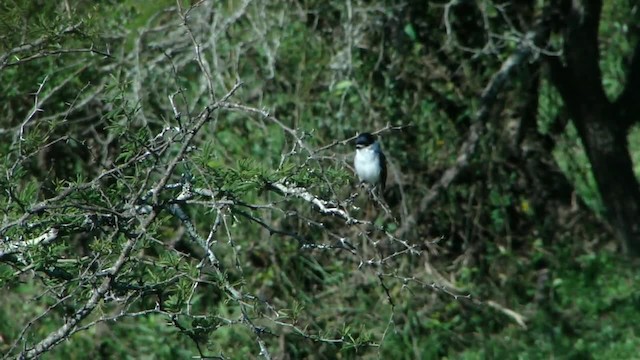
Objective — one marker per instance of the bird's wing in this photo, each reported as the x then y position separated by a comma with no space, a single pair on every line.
383,173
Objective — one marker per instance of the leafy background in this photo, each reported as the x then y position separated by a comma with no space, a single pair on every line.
492,249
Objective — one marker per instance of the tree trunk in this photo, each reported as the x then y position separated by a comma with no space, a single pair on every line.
605,139
602,125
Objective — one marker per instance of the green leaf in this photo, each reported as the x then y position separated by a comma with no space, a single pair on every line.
410,31
343,85
215,164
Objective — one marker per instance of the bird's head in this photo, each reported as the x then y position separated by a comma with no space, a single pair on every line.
364,140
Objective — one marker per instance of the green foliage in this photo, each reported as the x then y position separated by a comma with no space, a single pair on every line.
572,159
586,299
614,30
107,134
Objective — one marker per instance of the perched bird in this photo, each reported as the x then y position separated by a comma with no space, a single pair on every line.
370,163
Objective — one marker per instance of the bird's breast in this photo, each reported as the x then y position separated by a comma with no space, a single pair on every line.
367,164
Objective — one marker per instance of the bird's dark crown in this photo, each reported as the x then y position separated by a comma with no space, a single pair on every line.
365,139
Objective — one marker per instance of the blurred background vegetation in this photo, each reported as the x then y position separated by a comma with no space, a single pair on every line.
513,259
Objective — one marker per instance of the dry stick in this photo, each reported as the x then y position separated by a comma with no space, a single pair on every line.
39,100
388,127
46,53
202,62
204,116
323,206
15,247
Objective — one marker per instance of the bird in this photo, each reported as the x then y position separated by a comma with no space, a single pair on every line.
370,162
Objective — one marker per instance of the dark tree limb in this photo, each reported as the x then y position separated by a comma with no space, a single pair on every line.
581,49
601,125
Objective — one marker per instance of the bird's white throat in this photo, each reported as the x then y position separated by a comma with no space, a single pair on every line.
367,164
